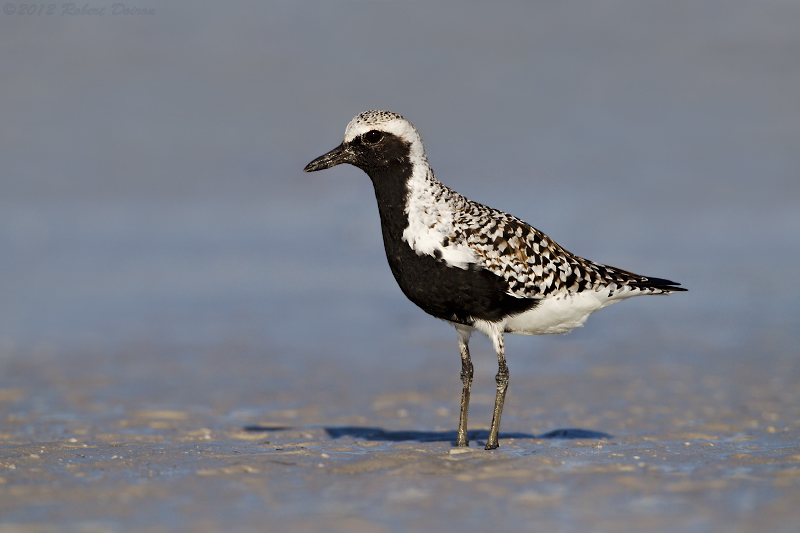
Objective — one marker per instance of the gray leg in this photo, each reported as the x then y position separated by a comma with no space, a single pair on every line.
502,386
466,380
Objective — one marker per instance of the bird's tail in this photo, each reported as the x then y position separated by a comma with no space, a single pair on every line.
664,285
645,283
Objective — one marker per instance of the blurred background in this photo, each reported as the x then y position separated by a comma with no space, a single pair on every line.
156,225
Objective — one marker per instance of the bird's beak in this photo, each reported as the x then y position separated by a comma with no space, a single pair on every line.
337,156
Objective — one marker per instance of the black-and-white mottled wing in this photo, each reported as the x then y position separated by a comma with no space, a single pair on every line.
533,265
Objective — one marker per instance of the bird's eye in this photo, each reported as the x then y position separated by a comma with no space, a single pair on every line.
373,136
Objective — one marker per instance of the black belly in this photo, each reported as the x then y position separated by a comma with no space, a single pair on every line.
450,293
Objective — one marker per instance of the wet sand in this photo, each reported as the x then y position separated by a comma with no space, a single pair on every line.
687,450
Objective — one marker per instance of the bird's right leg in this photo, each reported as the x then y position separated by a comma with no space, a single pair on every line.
502,386
466,380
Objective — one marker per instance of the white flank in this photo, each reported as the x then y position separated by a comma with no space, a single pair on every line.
564,312
430,221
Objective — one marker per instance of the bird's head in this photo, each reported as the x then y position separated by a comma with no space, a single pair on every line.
374,141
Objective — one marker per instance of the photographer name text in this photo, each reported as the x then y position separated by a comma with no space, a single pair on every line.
75,10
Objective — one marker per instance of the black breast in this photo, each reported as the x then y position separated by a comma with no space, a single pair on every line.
445,292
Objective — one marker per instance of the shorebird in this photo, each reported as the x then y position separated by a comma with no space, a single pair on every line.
468,264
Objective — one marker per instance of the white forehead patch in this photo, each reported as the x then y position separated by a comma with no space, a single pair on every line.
382,121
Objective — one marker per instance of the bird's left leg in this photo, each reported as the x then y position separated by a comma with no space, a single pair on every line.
464,333
502,385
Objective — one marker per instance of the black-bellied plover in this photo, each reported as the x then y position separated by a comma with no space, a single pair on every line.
473,266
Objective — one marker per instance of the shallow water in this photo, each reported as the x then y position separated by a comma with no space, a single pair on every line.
195,335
